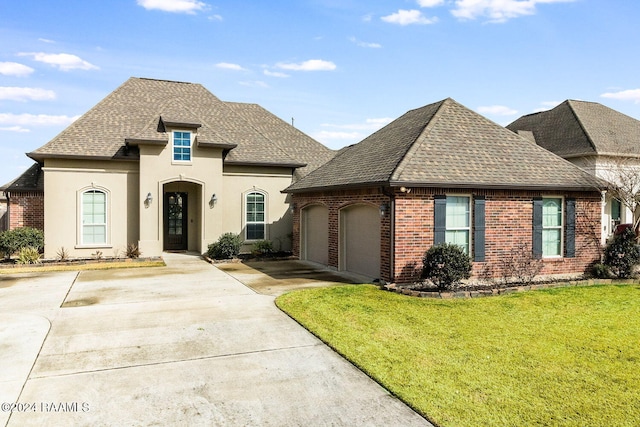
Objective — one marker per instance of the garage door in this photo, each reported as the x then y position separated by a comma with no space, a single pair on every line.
315,234
360,240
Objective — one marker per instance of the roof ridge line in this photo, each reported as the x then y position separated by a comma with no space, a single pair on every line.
586,133
414,146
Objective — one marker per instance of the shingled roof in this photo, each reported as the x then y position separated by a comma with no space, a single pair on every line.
140,109
580,128
31,180
446,145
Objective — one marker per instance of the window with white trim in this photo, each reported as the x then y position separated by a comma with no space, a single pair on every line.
94,217
255,204
181,146
552,226
458,221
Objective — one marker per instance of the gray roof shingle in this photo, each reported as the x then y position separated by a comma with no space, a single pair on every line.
31,180
137,110
580,128
447,145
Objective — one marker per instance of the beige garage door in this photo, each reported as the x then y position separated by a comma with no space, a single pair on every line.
360,240
315,234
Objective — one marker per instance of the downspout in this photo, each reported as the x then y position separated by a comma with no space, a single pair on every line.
603,226
392,230
7,215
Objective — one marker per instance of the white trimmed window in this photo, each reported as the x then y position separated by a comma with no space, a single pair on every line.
552,227
94,217
255,205
458,222
182,146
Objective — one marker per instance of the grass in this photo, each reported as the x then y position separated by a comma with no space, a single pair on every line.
77,267
563,357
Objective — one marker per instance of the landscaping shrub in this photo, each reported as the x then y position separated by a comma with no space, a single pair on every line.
132,251
13,240
445,264
600,271
62,254
28,255
622,254
262,247
227,246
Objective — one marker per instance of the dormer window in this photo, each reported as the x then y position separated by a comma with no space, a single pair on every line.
182,146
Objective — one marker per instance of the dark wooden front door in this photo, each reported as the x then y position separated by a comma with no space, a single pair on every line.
175,221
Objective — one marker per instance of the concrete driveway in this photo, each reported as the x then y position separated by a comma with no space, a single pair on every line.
185,344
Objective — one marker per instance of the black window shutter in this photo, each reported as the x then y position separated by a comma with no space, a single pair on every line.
478,228
439,219
570,229
537,227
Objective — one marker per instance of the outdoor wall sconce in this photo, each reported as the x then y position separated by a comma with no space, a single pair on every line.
293,208
148,200
213,200
384,208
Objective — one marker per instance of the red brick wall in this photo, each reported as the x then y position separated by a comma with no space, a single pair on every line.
26,210
509,216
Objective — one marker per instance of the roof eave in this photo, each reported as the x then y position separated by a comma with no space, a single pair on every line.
223,145
145,141
40,157
267,164
489,186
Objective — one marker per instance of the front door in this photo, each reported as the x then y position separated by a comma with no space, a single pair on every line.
175,221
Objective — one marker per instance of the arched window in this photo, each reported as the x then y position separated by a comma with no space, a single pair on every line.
255,216
94,217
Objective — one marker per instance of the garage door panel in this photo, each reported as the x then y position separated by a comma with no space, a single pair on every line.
315,234
360,244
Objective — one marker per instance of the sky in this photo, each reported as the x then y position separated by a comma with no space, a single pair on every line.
337,69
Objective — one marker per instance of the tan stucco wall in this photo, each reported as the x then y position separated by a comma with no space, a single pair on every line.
238,181
65,180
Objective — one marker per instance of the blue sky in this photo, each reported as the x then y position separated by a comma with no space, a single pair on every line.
340,68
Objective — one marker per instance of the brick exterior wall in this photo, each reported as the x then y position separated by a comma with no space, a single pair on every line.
509,225
26,210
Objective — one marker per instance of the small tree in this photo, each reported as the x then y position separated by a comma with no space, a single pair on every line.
446,264
622,254
624,177
227,246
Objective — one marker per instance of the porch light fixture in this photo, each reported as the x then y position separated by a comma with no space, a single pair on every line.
293,208
384,208
148,200
213,200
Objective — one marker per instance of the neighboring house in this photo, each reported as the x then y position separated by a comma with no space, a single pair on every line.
443,173
168,166
24,200
602,141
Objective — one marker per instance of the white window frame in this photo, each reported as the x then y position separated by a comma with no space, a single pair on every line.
246,222
81,224
173,147
555,227
467,228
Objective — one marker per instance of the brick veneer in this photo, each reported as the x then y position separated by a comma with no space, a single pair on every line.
509,217
26,210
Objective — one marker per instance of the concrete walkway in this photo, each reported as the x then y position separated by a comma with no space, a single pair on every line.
184,344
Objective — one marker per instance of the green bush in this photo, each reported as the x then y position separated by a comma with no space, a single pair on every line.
445,264
132,251
622,254
262,247
28,255
227,246
13,240
600,271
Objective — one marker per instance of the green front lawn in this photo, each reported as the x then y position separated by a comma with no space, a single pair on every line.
564,356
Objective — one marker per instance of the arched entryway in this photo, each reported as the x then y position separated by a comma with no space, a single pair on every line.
182,214
360,240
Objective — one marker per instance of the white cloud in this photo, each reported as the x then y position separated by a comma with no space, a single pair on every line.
215,18
365,44
64,61
15,69
174,6
310,65
326,135
408,17
275,74
624,95
430,3
19,129
228,66
369,124
497,10
35,120
26,93
46,41
497,110
254,83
